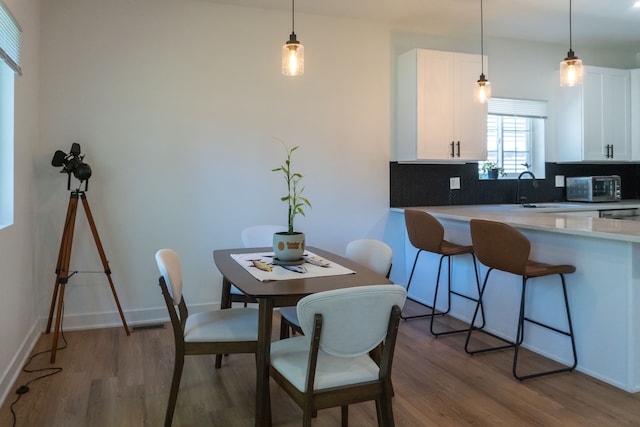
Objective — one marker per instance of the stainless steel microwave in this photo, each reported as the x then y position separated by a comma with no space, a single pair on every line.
593,188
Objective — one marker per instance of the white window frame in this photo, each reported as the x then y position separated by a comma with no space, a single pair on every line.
10,38
534,114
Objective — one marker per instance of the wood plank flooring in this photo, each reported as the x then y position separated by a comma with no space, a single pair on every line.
109,379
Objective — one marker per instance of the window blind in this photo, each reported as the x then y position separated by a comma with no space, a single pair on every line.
10,37
518,107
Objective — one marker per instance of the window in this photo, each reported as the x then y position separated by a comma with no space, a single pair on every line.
509,142
515,135
10,33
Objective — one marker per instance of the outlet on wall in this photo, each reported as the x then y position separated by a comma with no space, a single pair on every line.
454,183
559,180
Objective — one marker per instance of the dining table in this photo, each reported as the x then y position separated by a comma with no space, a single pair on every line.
271,294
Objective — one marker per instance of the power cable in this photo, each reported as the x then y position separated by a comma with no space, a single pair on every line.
24,388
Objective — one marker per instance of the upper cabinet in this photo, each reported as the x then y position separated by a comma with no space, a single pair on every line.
437,117
635,114
594,119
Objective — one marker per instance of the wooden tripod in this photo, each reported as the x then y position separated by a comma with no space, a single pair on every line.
62,268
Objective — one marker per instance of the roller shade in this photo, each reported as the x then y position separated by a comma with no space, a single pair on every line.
10,36
518,107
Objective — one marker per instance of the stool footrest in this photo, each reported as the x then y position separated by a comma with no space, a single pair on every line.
509,344
416,316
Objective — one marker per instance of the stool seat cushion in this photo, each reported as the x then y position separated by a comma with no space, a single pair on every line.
539,269
449,249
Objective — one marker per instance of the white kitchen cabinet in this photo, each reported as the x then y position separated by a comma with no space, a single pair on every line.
594,118
437,117
635,114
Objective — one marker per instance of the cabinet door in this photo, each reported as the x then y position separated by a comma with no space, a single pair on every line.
470,120
616,114
435,105
635,114
594,119
437,118
593,106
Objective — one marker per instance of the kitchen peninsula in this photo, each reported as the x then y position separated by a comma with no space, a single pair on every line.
604,293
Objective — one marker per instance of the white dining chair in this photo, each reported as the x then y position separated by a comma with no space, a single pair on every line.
330,365
374,254
229,331
254,236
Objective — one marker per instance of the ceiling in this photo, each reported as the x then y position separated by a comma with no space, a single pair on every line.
595,23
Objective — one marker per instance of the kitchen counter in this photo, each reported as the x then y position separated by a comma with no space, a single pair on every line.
554,217
604,292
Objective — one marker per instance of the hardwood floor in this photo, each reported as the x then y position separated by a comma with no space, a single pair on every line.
110,379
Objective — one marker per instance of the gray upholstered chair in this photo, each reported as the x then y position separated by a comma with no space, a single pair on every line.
330,364
233,330
374,254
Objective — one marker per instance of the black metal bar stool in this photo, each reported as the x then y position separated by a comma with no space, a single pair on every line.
426,233
501,247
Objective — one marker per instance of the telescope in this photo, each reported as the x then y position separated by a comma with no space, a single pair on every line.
72,163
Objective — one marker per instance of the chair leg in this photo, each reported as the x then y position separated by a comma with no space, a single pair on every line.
386,409
415,262
509,344
451,292
520,334
175,387
345,415
284,328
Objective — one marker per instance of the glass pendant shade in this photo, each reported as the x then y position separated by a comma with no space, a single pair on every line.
482,92
293,57
571,70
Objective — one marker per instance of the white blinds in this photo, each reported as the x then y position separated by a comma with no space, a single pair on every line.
10,35
518,107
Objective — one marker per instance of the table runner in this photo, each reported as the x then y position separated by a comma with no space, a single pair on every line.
279,273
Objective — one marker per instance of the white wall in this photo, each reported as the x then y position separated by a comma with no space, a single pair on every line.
175,105
18,314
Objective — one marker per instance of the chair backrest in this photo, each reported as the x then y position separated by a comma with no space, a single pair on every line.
500,246
425,231
170,268
355,320
260,235
374,254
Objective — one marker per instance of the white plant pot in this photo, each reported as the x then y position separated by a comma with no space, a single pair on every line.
288,247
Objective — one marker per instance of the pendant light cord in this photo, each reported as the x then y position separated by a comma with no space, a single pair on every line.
570,37
293,17
481,38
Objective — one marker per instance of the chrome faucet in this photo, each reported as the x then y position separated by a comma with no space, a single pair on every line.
523,200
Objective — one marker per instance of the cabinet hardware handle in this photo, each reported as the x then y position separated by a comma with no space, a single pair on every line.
612,151
452,152
458,148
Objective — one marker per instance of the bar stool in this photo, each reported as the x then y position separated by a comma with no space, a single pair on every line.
426,233
502,247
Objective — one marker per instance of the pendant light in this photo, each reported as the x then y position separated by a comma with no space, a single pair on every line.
292,52
571,70
482,90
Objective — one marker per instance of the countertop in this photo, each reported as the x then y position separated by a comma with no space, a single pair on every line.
552,217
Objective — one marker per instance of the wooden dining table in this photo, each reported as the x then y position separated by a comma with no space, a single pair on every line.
281,293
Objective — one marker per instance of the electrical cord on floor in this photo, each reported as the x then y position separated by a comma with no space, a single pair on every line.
24,388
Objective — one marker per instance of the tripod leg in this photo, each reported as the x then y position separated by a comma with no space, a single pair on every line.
64,253
62,271
54,343
103,257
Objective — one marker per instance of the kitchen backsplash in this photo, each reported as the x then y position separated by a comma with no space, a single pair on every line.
428,184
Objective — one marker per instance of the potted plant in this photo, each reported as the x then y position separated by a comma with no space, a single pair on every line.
289,245
492,169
